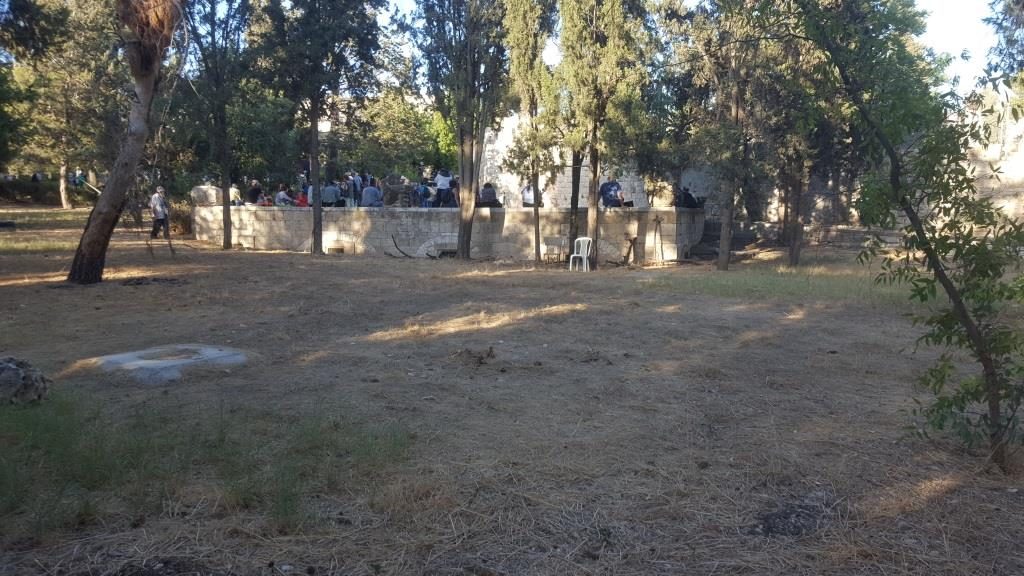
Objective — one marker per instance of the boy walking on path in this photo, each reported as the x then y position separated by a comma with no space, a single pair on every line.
158,205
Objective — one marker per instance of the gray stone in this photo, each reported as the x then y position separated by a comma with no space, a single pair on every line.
165,363
21,383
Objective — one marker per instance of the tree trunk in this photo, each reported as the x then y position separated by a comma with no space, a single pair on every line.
593,212
224,157
91,255
785,229
314,174
796,244
535,182
65,202
574,197
467,198
725,241
751,202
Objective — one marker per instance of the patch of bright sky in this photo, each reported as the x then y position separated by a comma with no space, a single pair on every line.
954,27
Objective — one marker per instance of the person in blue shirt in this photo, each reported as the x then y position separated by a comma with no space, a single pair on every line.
423,194
372,196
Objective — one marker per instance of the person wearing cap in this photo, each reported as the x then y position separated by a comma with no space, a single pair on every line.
158,205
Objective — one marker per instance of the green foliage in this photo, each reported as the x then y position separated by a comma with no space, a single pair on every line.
442,136
308,48
10,124
260,123
955,241
30,28
596,38
528,26
461,45
397,136
216,39
46,192
65,122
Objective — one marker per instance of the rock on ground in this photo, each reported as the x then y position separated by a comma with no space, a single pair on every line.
21,383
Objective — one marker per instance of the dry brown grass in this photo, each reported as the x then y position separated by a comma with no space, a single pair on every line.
625,422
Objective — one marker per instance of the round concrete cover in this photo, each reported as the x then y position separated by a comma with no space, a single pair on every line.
165,363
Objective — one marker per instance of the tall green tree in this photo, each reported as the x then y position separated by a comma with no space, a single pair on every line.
528,25
396,136
216,33
148,28
319,52
66,123
1008,21
727,37
461,43
955,240
673,101
29,29
603,45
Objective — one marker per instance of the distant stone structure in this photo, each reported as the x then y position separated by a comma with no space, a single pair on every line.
557,192
1006,154
645,234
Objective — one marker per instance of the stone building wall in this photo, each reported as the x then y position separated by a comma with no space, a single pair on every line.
557,191
661,234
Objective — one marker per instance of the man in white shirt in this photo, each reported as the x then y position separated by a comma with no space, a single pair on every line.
528,197
161,211
444,196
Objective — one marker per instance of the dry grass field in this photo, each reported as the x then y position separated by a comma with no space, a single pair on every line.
443,418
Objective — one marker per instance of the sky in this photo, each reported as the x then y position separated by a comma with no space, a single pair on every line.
953,27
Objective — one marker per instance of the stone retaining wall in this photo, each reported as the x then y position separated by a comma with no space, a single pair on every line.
661,233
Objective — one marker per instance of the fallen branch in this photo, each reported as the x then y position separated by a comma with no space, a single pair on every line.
400,251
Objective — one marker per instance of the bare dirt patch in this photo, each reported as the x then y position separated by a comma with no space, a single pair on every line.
619,422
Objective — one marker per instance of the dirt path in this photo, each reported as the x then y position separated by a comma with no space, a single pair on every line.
564,423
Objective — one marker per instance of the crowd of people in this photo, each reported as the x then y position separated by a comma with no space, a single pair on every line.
363,190
352,189
441,191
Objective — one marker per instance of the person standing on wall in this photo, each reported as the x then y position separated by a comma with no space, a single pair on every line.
528,197
158,205
443,182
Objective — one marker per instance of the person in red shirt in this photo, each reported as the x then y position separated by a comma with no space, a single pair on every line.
302,201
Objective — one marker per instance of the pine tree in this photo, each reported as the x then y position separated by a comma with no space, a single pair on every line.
313,49
461,44
65,122
528,25
603,68
216,30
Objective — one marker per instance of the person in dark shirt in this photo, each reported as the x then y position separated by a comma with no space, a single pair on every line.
684,199
488,197
611,194
254,193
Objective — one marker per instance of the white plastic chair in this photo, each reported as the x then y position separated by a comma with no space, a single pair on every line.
581,250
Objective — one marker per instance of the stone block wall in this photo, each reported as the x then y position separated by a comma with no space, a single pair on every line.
661,234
